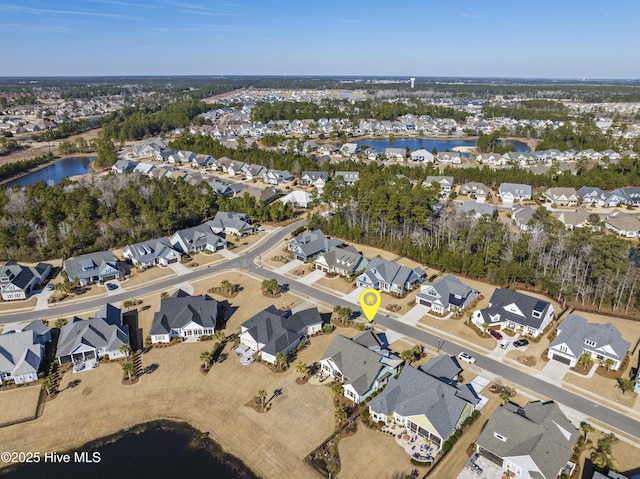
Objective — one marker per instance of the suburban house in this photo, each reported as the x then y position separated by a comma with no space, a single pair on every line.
576,219
446,294
597,197
150,253
477,210
314,178
202,161
197,238
388,276
83,342
310,244
623,224
475,190
298,199
444,182
349,149
422,155
17,281
92,267
576,336
510,192
230,222
343,261
349,177
254,172
235,168
515,311
535,441
427,401
562,196
276,177
449,157
521,215
21,353
184,316
124,166
273,331
362,364
397,154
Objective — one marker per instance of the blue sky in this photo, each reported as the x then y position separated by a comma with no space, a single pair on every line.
559,39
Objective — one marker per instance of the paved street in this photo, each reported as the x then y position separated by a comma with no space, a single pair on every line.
245,262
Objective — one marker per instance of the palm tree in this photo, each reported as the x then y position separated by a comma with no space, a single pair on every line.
586,429
129,367
301,369
60,322
125,349
205,357
337,389
608,363
625,385
485,328
228,286
281,359
164,295
127,304
407,355
340,414
47,384
586,360
262,394
270,286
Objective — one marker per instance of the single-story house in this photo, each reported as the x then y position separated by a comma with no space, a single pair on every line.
397,154
273,331
521,216
197,238
477,190
21,353
83,342
185,316
276,177
575,219
310,244
349,177
623,224
446,294
150,253
516,311
298,199
444,182
576,336
535,441
363,364
230,222
422,155
93,267
388,276
427,401
477,210
17,281
343,261
123,166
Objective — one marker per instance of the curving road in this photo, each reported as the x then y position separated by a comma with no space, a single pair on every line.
246,262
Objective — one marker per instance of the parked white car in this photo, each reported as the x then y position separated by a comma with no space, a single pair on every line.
466,357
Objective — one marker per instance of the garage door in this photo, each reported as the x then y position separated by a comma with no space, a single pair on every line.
424,302
562,359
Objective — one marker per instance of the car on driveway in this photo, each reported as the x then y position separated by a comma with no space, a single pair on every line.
496,335
111,286
521,342
49,287
466,357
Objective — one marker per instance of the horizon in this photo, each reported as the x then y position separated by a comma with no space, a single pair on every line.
139,38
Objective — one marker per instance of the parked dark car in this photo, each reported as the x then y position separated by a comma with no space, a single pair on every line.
521,342
496,335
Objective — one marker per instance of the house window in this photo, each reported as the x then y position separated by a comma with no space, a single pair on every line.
588,342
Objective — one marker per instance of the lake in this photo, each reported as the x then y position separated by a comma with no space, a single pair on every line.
416,143
158,450
54,173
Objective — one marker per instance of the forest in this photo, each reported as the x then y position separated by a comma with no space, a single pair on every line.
386,211
40,222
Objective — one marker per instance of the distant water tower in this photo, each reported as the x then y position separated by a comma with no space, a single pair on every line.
413,82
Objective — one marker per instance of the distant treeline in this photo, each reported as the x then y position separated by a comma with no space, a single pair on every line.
9,169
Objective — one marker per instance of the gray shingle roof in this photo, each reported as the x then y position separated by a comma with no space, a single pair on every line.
390,272
312,243
180,309
149,250
416,393
538,430
502,298
89,265
278,330
104,331
20,353
230,219
575,330
447,288
19,275
347,258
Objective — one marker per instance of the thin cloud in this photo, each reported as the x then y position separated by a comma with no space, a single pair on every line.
119,3
197,9
44,11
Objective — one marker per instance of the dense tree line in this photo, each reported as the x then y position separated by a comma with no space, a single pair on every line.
40,222
494,142
66,129
386,211
9,169
529,110
581,137
9,146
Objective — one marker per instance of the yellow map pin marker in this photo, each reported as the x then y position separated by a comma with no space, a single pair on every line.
370,303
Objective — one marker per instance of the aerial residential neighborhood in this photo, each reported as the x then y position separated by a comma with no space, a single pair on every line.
205,258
